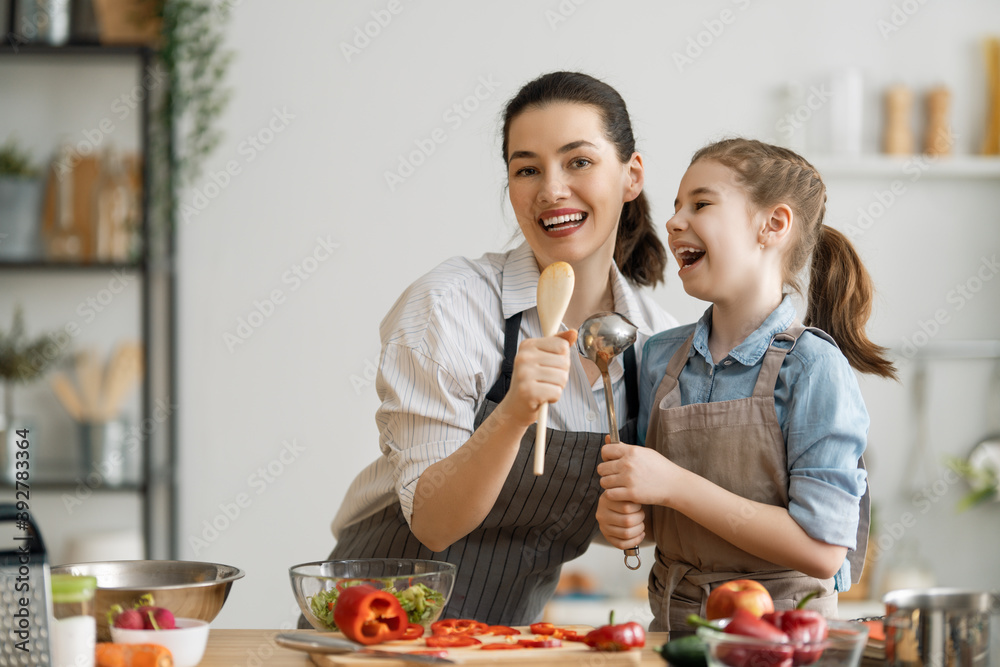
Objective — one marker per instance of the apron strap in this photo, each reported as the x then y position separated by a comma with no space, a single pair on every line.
511,333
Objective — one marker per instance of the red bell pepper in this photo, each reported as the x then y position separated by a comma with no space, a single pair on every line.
542,628
368,615
501,630
803,626
613,637
458,626
745,624
413,631
545,642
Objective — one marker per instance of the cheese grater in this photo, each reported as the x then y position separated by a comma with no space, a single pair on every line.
25,603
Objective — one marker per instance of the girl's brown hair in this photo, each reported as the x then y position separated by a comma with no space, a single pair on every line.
840,295
639,253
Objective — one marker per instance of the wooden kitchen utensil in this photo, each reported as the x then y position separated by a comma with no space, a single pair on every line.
88,376
898,138
938,139
555,287
122,374
64,390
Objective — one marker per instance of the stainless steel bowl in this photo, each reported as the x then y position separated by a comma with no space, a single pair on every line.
938,626
189,589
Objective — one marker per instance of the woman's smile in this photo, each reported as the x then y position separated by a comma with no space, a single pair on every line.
562,221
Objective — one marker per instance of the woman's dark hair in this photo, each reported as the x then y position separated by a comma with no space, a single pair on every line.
639,253
840,295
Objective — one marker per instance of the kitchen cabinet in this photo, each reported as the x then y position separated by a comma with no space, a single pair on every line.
52,83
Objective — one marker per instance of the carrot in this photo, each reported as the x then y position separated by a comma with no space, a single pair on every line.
109,654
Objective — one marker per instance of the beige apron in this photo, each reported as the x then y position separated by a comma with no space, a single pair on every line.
739,446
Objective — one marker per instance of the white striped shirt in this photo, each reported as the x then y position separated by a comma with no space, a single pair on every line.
442,348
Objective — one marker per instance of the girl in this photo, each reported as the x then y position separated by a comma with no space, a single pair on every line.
754,425
464,367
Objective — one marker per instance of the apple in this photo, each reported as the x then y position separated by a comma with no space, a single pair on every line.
746,594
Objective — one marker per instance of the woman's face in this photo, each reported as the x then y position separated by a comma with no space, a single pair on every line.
566,183
713,235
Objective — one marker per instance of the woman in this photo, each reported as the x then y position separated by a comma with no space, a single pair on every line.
464,369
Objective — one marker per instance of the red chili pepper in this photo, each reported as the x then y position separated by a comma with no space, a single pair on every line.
501,630
368,615
613,637
458,626
548,642
803,626
497,646
451,641
413,631
542,628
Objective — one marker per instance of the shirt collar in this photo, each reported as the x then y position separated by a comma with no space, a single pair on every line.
520,288
752,349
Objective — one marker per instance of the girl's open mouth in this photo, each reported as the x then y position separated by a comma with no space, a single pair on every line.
688,256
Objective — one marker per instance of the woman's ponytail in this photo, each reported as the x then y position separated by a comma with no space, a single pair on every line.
639,252
840,302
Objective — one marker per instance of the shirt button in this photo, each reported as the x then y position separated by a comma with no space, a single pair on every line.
727,362
591,416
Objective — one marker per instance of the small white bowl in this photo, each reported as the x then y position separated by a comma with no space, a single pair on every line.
186,642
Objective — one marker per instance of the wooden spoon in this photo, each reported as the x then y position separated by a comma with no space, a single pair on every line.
555,287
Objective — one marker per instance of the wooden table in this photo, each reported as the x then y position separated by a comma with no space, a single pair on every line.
256,648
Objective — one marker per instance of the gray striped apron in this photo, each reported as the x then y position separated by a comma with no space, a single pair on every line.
508,567
738,445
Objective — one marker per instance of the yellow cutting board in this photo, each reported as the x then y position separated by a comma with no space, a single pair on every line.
569,653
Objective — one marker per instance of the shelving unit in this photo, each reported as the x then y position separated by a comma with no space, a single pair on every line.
154,268
888,166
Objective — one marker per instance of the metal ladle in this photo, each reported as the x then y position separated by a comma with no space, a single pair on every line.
601,338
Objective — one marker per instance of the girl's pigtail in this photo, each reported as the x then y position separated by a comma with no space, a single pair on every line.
840,302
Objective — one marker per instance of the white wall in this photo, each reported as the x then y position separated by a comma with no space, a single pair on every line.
331,127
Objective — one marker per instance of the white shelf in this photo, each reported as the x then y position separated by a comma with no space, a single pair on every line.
908,166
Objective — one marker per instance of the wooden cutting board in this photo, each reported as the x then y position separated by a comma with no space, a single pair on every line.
568,653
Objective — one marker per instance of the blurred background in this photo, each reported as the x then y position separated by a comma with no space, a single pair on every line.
205,213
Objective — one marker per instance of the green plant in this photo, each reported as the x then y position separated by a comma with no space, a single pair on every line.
24,359
195,63
16,162
984,482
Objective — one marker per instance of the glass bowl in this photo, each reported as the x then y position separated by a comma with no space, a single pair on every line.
422,586
843,647
186,642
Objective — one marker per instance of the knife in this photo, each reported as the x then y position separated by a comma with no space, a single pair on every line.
301,641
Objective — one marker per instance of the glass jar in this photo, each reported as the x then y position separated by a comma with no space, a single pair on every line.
74,628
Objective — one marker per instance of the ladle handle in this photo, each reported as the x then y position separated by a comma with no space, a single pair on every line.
631,552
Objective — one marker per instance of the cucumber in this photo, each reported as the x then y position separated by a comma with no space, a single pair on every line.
687,651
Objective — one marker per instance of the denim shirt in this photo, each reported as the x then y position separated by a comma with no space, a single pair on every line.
819,407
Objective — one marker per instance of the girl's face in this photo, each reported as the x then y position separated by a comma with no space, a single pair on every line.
714,235
566,183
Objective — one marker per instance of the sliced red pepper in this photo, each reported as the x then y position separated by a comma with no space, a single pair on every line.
451,641
458,626
501,630
540,643
568,635
369,616
413,631
542,628
499,646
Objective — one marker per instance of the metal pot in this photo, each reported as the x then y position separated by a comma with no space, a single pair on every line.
943,627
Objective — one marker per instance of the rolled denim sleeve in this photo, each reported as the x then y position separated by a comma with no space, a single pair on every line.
826,434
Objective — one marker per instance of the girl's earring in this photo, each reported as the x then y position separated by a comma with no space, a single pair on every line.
761,246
